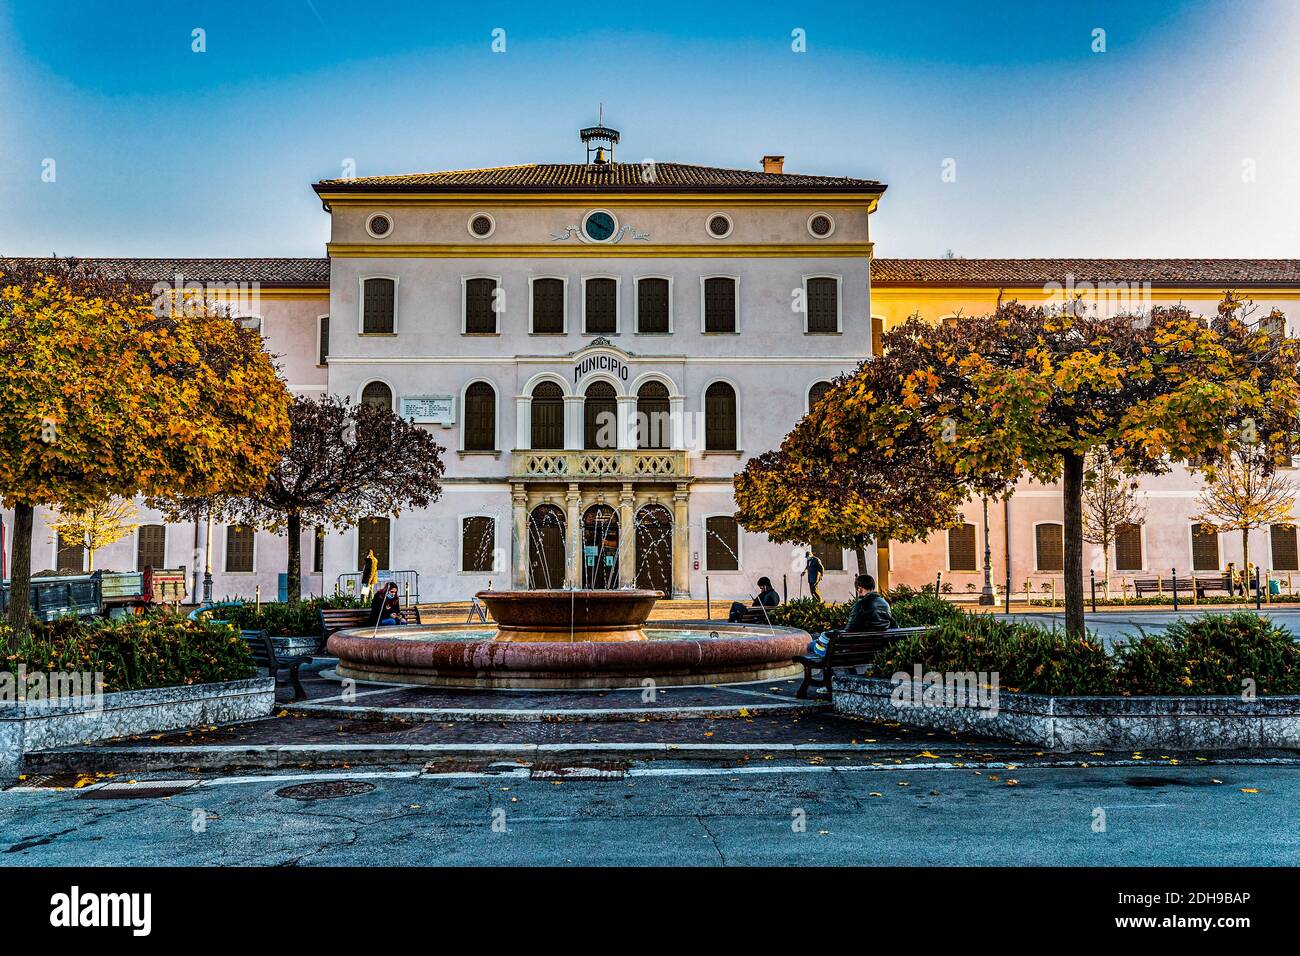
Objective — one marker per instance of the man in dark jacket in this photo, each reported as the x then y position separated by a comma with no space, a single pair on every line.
766,597
870,612
814,569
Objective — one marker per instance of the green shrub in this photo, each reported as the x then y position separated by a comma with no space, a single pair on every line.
161,649
284,620
1211,654
810,615
922,608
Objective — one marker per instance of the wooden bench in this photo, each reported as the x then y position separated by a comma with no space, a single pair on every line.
341,618
1202,584
848,649
756,615
264,655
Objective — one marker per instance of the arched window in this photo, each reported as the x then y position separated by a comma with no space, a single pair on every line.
720,417
1128,547
600,416
823,302
817,393
1205,548
379,297
1049,544
961,548
480,306
719,305
377,394
480,417
548,416
653,424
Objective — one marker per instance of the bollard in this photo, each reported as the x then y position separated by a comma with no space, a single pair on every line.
1258,597
1006,592
1175,574
406,596
938,583
708,600
1026,592
785,589
1092,579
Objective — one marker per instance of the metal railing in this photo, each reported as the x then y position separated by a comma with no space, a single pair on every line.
643,464
408,584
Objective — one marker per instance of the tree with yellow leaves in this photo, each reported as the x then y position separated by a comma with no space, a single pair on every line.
105,390
95,526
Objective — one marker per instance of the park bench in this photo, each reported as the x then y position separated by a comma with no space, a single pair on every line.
756,615
848,649
1143,586
265,655
341,618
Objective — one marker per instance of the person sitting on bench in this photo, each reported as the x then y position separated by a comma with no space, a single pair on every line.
767,597
870,612
385,609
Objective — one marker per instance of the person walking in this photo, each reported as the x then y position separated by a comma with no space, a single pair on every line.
814,569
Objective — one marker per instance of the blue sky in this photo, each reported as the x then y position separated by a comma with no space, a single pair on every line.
1181,139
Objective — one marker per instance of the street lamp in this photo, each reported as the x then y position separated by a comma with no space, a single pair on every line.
207,562
987,597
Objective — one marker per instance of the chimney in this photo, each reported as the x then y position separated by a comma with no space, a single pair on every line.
773,164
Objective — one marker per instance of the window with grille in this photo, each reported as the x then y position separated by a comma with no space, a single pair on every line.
480,417
817,393
653,421
652,306
823,305
600,417
829,553
378,298
318,550
1128,547
720,417
722,543
71,558
719,305
377,394
548,416
548,306
372,535
961,548
477,542
1049,541
602,307
1282,537
151,546
1205,548
480,305
239,548
323,346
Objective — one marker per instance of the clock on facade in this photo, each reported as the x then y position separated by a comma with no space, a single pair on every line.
599,225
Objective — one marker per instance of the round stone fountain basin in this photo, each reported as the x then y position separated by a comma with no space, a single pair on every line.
568,616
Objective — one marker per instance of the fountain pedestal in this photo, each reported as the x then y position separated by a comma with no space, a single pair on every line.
569,616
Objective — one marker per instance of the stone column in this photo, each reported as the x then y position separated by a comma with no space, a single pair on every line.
573,537
681,541
523,421
677,421
519,540
626,535
627,421
573,436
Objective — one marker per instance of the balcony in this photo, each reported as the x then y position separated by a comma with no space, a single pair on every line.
622,464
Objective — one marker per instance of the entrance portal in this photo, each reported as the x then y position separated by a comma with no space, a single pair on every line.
546,547
600,547
654,549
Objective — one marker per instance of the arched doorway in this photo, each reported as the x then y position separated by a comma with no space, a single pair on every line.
654,549
600,547
546,547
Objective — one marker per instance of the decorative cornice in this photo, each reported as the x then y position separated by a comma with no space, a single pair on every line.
783,250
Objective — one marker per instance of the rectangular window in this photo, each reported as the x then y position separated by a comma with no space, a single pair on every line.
372,535
961,548
71,557
601,307
652,306
151,547
323,346
1050,544
480,306
1205,548
830,554
823,303
378,299
722,543
1283,539
239,549
318,550
719,305
548,306
1128,548
477,544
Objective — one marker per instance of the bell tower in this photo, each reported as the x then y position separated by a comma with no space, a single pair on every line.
600,141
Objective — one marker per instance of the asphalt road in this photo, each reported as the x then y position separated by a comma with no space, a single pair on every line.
698,816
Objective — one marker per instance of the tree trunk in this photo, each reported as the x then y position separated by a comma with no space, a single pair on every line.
294,584
1072,492
860,553
20,574
1246,576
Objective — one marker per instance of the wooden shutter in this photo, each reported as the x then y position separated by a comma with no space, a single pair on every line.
722,537
318,550
477,543
1128,548
151,546
652,306
378,394
602,306
1050,543
479,300
239,548
1205,548
1282,537
653,423
600,412
323,346
548,306
719,305
823,305
961,548
548,416
372,535
71,558
720,417
377,309
480,417
830,554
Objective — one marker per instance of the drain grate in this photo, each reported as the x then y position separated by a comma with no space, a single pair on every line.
330,790
594,770
144,790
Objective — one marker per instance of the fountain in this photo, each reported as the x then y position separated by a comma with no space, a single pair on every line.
559,638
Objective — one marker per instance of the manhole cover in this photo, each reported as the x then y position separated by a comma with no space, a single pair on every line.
598,770
325,791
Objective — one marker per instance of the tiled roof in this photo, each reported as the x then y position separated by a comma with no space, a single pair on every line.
580,177
1221,273
266,272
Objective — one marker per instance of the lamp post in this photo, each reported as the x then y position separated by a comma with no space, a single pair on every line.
207,562
987,597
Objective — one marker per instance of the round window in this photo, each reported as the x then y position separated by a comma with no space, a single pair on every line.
719,226
599,225
379,225
821,225
481,225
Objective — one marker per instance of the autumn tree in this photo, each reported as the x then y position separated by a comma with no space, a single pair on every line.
108,391
1110,503
96,525
344,462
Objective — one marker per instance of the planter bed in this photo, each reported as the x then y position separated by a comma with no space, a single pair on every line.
43,725
1200,723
